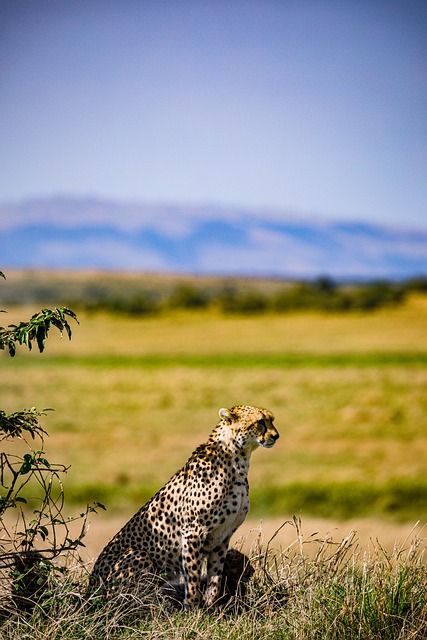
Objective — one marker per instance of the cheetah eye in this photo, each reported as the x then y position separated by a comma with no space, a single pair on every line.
261,423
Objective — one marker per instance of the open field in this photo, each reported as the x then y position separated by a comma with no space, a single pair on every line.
132,398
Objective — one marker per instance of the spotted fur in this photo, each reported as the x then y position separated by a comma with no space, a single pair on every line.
189,522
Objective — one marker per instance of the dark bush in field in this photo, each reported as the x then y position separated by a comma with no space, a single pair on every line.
138,305
375,295
185,296
231,300
418,284
323,294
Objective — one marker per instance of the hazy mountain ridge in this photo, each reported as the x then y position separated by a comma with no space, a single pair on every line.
95,233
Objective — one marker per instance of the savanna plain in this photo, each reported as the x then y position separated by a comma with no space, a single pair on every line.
338,506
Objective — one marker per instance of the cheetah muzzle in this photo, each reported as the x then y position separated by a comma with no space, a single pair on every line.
185,529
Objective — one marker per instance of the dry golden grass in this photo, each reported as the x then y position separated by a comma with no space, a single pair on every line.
138,425
277,533
390,330
315,587
128,425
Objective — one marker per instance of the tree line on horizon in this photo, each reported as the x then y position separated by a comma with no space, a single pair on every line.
322,294
144,295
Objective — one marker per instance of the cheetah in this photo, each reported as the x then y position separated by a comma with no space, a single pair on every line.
189,522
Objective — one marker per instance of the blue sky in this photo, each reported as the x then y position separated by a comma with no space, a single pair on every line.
310,107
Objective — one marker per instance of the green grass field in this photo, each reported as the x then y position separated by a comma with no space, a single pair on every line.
132,398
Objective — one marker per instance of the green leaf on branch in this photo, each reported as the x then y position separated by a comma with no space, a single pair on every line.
36,329
27,464
14,424
100,505
44,532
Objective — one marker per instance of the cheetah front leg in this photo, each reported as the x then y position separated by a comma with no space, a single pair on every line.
192,567
216,561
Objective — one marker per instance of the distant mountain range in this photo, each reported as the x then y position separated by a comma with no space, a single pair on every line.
72,233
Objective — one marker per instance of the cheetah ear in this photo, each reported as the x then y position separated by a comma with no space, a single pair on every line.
226,414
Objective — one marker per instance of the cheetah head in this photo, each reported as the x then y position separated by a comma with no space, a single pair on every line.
252,427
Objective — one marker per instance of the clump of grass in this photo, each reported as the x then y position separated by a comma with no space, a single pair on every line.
315,588
344,592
